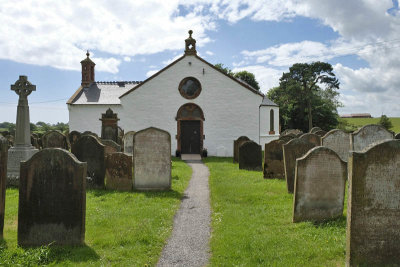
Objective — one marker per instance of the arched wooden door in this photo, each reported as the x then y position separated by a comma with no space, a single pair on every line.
190,136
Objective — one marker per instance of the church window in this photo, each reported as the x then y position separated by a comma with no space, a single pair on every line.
271,120
190,111
190,88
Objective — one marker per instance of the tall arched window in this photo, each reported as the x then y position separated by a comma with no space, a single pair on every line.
271,121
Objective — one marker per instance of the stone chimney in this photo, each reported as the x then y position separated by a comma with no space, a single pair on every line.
87,71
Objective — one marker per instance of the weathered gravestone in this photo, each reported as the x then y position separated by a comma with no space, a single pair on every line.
119,172
128,142
52,199
250,156
111,146
292,131
3,179
320,133
152,159
368,135
89,149
109,125
236,144
315,129
338,141
34,141
293,150
373,210
397,136
319,185
53,139
73,137
286,138
90,133
273,160
312,138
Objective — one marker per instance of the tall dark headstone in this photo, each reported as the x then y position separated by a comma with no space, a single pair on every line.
373,210
250,156
55,139
73,137
119,172
52,199
236,144
109,125
89,149
273,160
3,179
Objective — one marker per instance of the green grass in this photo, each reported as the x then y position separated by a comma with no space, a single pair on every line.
122,228
359,122
252,223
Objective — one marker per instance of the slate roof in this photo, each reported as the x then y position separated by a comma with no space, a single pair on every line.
267,102
102,93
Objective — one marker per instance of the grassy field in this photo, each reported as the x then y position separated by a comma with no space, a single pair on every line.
122,229
359,122
252,223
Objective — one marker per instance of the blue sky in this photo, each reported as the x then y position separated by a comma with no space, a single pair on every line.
130,40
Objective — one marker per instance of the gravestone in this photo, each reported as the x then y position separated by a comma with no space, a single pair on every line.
236,144
128,142
397,136
250,156
119,172
53,139
338,141
89,149
315,129
90,133
312,138
292,131
109,125
152,159
73,137
368,135
320,180
3,179
373,209
273,160
52,199
292,150
111,146
121,134
34,141
22,148
10,140
286,138
320,133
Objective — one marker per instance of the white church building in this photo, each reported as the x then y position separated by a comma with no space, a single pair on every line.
199,105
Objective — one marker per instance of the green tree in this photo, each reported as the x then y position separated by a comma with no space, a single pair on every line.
248,78
225,70
385,122
307,94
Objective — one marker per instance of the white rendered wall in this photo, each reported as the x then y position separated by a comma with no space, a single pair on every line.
230,110
87,117
265,137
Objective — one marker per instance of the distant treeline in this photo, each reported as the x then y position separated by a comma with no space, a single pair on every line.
39,127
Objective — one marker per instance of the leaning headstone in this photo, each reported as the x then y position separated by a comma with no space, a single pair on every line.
52,199
152,159
236,144
73,137
292,131
22,149
315,129
373,210
273,160
293,150
128,142
338,141
54,139
250,156
109,125
397,136
119,172
368,135
89,149
3,179
319,186
111,146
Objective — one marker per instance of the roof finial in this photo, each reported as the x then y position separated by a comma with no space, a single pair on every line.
190,33
87,53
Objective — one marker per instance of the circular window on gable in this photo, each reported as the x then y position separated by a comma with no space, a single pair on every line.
190,88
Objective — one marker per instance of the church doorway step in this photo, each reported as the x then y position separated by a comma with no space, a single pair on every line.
190,137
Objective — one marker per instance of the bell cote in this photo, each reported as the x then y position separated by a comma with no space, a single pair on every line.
190,45
87,71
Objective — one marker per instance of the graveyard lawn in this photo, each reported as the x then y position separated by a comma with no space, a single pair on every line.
359,122
252,223
122,228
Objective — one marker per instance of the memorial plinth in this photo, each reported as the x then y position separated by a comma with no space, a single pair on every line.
22,149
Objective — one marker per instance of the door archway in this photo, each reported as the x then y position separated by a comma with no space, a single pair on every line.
190,135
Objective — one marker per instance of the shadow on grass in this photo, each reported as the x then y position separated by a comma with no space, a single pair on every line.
72,253
161,194
339,222
3,244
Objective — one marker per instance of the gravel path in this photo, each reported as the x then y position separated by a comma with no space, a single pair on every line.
188,244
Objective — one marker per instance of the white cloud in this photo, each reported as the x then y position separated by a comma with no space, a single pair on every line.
266,77
127,59
151,73
209,53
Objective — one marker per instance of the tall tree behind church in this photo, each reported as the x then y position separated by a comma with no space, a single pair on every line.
307,96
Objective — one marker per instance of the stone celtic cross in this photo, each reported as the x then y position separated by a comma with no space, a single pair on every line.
23,88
